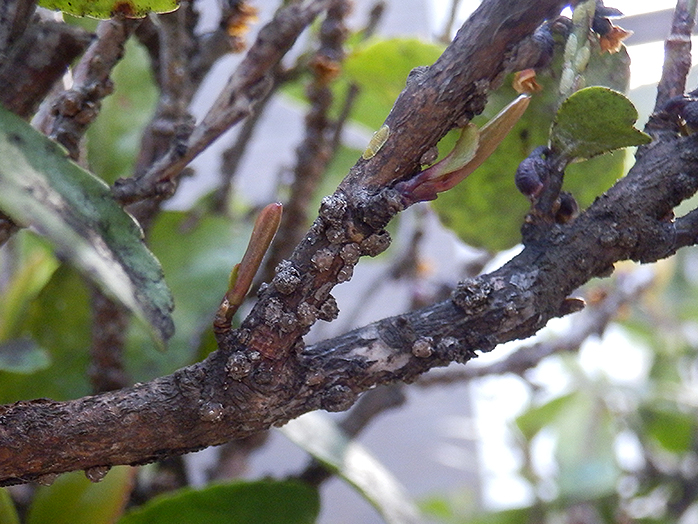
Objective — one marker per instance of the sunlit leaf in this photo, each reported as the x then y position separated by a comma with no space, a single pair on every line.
261,502
593,121
41,187
109,8
73,499
321,437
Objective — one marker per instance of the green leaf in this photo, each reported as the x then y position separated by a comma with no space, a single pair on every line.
319,436
486,210
72,499
365,65
673,430
261,502
197,254
33,266
8,512
536,418
41,187
59,321
108,8
23,355
593,121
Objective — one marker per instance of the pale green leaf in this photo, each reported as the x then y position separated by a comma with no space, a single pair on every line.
109,8
42,188
593,121
261,502
321,437
72,499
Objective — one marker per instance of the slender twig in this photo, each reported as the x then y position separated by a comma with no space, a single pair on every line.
677,54
313,154
246,86
76,109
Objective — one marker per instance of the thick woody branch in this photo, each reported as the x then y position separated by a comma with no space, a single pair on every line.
237,392
263,375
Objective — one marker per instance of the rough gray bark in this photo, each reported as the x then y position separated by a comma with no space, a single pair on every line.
263,375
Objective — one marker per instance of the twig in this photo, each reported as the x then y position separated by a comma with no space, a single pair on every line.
677,54
313,154
109,328
76,109
246,86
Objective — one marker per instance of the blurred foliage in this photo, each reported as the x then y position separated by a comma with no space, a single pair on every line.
261,502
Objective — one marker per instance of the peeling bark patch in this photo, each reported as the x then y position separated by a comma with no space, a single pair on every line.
375,244
472,295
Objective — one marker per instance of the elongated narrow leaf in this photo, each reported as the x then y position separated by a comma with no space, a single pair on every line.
108,8
42,188
261,502
8,512
321,437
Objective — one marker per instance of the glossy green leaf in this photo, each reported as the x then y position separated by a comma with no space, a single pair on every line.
22,355
8,512
59,321
673,430
108,8
41,187
486,210
261,502
322,438
73,499
593,121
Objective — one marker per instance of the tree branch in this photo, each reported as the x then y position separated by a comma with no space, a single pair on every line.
262,375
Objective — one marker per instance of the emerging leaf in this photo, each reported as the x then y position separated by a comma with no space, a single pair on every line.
42,188
109,8
593,121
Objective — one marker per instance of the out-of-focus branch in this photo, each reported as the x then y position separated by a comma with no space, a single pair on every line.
52,47
248,84
677,54
313,154
75,109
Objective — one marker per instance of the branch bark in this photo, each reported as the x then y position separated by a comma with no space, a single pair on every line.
263,375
